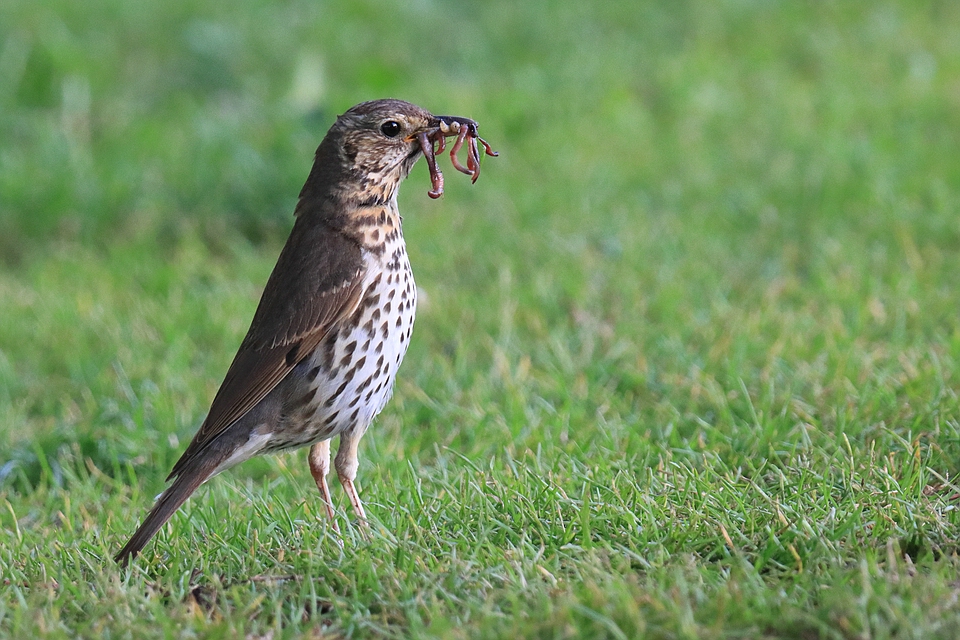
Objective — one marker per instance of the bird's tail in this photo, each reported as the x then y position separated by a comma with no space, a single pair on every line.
167,504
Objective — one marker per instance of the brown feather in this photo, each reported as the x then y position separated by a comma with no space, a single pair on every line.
316,283
167,504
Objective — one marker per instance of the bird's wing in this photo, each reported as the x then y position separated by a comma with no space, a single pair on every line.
317,282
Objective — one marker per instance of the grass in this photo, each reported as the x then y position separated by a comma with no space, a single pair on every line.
686,364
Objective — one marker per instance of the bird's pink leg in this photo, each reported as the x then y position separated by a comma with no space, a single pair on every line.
346,464
319,459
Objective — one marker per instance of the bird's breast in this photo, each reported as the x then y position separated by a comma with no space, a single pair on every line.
349,378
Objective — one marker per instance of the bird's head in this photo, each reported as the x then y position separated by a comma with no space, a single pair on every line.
372,147
377,142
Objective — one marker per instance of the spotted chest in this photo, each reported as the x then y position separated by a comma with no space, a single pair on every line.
349,378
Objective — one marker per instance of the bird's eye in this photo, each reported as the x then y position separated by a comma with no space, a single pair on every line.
390,128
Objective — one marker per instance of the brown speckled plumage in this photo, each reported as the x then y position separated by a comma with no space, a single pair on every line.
336,316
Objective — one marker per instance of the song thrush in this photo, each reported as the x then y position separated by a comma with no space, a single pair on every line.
335,319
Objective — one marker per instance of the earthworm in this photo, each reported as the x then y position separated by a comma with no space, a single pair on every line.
466,131
436,176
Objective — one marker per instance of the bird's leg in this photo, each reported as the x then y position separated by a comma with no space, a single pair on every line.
319,459
346,464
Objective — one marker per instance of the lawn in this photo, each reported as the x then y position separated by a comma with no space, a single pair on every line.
686,361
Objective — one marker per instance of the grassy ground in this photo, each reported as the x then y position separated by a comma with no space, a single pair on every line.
687,364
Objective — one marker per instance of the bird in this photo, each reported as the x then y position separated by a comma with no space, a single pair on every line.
335,318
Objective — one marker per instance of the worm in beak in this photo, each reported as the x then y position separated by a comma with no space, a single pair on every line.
465,130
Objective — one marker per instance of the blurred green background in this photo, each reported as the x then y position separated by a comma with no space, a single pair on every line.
717,233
